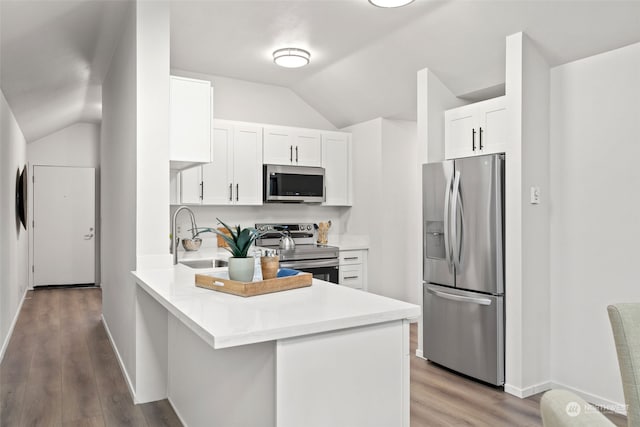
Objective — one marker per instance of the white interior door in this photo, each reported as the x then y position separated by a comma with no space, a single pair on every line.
63,225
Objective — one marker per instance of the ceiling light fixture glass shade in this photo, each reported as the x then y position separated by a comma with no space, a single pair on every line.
390,3
291,57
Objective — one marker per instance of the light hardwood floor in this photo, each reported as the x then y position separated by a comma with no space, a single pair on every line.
60,370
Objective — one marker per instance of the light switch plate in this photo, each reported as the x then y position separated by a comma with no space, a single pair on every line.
535,196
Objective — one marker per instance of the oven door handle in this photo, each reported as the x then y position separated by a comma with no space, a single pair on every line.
310,264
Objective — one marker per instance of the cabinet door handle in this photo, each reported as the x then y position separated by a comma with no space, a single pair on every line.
201,190
350,258
291,153
480,136
230,192
296,154
350,277
473,139
237,192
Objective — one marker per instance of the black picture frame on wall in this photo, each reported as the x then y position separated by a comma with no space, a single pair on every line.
21,196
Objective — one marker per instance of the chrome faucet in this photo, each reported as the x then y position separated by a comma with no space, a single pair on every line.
174,234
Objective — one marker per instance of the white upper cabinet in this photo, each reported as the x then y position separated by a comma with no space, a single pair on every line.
217,176
235,175
476,129
291,146
336,160
247,164
191,186
191,114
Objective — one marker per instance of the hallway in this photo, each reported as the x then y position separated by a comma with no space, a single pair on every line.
60,368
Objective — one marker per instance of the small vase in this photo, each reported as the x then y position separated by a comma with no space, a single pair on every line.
241,269
269,265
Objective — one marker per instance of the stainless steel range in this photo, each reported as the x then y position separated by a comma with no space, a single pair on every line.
320,260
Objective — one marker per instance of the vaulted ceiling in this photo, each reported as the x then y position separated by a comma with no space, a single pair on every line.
54,54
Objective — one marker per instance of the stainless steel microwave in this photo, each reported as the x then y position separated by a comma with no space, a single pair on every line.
293,184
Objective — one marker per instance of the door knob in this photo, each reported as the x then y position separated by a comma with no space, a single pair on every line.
88,236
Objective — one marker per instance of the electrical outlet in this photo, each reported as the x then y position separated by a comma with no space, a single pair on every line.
535,196
178,230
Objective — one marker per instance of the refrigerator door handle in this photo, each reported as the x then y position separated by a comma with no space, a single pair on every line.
460,298
456,201
447,230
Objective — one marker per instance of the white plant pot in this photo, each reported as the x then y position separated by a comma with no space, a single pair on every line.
241,269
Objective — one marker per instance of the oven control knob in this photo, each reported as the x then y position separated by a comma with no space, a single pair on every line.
309,227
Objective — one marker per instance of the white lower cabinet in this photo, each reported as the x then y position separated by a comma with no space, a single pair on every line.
353,269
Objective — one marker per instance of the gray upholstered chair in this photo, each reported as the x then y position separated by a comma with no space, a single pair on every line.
563,408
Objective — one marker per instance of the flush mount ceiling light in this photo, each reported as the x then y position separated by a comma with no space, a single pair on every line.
291,57
390,3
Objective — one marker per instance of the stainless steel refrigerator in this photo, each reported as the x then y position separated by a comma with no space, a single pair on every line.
463,231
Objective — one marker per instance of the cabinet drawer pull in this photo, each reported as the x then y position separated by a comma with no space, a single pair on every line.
473,139
350,258
351,277
296,154
291,153
237,192
230,192
480,136
201,190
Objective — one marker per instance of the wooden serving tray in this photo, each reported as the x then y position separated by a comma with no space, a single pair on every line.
249,289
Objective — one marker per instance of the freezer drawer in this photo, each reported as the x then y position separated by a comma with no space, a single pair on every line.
464,331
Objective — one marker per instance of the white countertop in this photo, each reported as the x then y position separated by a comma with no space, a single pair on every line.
224,320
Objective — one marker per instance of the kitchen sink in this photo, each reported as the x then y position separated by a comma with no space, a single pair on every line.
204,263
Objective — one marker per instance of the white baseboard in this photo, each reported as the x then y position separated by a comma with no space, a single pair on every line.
609,405
5,344
420,354
527,391
177,412
120,361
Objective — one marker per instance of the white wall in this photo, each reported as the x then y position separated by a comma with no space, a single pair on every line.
527,369
153,133
400,230
77,145
135,167
118,196
13,238
384,190
242,100
594,216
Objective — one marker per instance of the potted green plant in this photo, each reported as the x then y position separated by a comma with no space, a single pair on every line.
239,241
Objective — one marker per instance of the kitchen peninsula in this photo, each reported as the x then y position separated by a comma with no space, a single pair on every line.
316,356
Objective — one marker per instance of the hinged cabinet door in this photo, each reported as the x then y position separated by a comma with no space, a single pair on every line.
190,120
247,165
191,186
460,132
218,175
337,164
278,147
492,126
307,149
